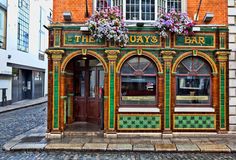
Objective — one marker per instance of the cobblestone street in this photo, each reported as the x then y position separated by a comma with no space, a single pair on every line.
17,122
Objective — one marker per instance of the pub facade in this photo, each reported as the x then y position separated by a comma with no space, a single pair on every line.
153,84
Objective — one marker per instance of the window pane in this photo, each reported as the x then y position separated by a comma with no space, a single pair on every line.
174,4
92,84
193,90
2,28
138,90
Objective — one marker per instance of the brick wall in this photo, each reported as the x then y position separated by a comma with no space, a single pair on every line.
217,7
78,9
232,64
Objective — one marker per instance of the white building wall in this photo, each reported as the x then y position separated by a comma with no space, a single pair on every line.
11,54
232,64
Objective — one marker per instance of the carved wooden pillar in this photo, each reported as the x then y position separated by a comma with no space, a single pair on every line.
112,56
222,57
167,57
49,118
55,108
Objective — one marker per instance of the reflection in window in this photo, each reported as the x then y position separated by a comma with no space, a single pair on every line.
193,82
138,82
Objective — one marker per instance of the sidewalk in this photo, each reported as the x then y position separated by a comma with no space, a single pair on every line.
23,104
35,140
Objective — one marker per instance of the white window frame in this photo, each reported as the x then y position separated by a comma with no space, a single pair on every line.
183,9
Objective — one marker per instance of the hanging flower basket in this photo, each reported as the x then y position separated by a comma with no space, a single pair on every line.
108,24
174,22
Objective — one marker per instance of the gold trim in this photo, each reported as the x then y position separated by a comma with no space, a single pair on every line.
144,45
145,54
202,98
186,46
199,54
79,52
81,45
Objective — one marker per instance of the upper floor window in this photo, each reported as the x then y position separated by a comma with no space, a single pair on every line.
3,2
3,24
140,10
23,25
193,82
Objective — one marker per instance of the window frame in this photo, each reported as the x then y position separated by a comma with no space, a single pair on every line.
156,6
154,105
4,36
177,75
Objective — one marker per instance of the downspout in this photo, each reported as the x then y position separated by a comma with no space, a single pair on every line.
199,6
86,11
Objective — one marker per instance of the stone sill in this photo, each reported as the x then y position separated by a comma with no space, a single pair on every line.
137,109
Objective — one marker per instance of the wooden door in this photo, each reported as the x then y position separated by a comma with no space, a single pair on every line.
89,81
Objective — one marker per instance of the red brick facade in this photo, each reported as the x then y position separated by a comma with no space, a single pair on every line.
78,10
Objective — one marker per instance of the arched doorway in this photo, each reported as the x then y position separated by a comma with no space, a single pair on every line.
87,84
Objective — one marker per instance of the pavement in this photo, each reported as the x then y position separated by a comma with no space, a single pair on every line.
23,104
35,139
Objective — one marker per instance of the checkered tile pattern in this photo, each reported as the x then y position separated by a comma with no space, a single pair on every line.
194,122
139,122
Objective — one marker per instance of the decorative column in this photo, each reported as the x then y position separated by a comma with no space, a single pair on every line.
49,118
167,57
222,57
112,56
56,110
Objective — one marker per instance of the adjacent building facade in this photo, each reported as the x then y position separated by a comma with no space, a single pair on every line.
232,63
154,84
23,40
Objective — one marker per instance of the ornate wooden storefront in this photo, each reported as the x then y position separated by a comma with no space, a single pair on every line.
151,85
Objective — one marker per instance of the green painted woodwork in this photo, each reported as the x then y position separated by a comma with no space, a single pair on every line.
65,103
222,42
222,97
203,40
167,96
56,98
139,122
75,38
167,42
57,39
112,96
135,28
194,122
146,39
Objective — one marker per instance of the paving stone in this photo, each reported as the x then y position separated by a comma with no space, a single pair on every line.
119,140
161,141
165,147
81,140
180,140
187,147
28,146
232,147
143,147
99,140
66,146
201,141
213,148
95,146
10,144
120,147
140,140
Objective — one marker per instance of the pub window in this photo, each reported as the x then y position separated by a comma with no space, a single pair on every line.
141,10
138,82
193,79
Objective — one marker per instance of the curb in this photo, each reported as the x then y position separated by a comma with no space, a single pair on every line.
23,106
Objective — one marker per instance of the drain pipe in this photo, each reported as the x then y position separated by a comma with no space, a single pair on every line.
86,12
199,6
